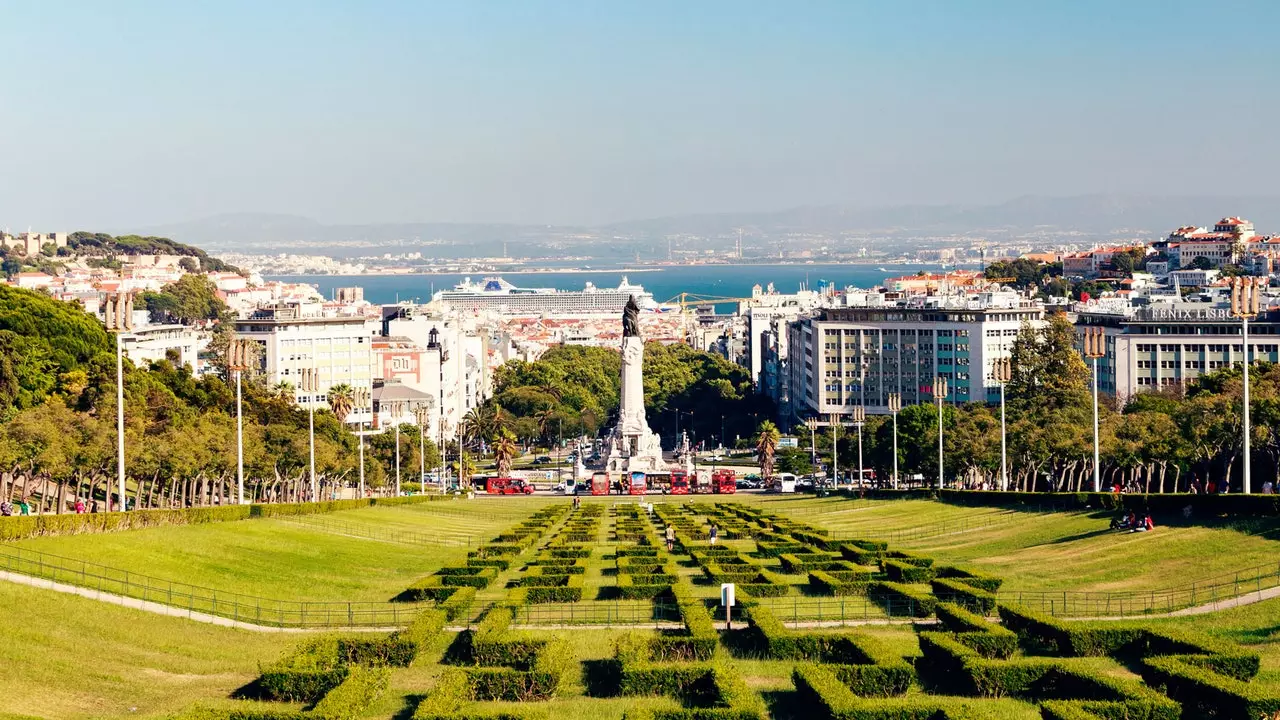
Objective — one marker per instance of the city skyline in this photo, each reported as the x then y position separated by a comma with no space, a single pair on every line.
569,114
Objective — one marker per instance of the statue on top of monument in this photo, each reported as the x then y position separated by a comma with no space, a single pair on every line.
631,318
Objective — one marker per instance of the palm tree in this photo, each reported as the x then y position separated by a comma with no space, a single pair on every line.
341,400
504,451
544,417
282,390
767,446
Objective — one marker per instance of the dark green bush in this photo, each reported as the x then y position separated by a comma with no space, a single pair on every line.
1211,694
828,584
899,599
904,572
982,581
967,596
306,673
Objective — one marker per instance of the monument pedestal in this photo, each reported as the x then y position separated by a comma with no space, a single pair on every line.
631,445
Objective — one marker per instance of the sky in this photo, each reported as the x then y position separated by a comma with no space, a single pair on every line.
117,115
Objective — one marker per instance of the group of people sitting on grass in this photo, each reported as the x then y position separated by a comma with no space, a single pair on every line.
1133,522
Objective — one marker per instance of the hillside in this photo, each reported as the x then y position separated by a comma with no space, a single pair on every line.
103,245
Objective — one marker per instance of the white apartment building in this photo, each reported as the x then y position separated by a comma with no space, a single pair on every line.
456,361
292,339
153,343
1173,343
844,357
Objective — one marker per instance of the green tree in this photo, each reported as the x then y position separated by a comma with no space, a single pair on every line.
341,399
504,451
767,437
190,299
1047,369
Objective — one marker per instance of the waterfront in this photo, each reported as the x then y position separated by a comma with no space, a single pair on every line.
666,283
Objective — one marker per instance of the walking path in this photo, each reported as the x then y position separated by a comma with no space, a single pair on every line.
173,611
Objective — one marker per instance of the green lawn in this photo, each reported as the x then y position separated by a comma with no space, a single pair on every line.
68,657
297,559
1045,551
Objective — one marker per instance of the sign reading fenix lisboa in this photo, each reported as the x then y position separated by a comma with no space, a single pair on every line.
1159,314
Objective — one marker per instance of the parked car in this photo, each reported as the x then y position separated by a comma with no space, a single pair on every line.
542,460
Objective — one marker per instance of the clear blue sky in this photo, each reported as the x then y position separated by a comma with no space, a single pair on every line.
122,113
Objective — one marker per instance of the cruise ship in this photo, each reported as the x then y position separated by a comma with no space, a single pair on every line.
494,294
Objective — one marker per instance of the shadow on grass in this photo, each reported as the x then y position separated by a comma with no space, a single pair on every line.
411,703
601,678
785,705
742,644
1081,536
251,690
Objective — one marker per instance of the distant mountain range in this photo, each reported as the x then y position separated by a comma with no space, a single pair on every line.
1099,215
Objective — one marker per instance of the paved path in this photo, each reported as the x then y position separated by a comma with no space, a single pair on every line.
172,611
162,609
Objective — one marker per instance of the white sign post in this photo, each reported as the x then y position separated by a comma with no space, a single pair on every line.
726,599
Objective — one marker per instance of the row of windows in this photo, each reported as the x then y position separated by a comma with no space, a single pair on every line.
1254,348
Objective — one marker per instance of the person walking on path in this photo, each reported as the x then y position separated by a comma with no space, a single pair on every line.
671,538
715,533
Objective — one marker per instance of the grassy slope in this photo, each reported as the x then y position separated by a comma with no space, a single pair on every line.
69,657
1044,551
290,560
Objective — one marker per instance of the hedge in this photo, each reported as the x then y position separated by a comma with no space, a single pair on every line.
979,601
306,673
643,587
957,667
975,632
1212,694
568,552
700,637
982,581
905,572
860,555
25,526
822,693
909,558
353,696
797,563
398,649
899,599
829,584
567,588
458,605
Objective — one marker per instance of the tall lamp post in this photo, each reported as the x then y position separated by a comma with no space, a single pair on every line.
396,420
895,406
422,414
118,313
1095,348
835,463
238,354
1002,372
812,424
860,417
311,385
1244,305
940,394
363,400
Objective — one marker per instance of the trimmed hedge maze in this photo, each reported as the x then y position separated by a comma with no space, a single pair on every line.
977,658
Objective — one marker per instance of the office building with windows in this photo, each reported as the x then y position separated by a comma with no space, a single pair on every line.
844,357
1172,344
294,337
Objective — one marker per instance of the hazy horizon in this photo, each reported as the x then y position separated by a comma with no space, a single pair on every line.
136,114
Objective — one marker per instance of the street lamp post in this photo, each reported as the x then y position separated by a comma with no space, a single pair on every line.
118,313
1245,305
363,397
835,463
812,424
311,385
1095,348
238,362
1002,372
397,422
860,417
423,415
895,406
940,394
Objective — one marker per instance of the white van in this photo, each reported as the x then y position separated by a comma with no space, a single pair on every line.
786,482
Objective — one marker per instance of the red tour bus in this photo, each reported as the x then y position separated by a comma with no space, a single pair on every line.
507,486
679,482
724,482
637,485
600,483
